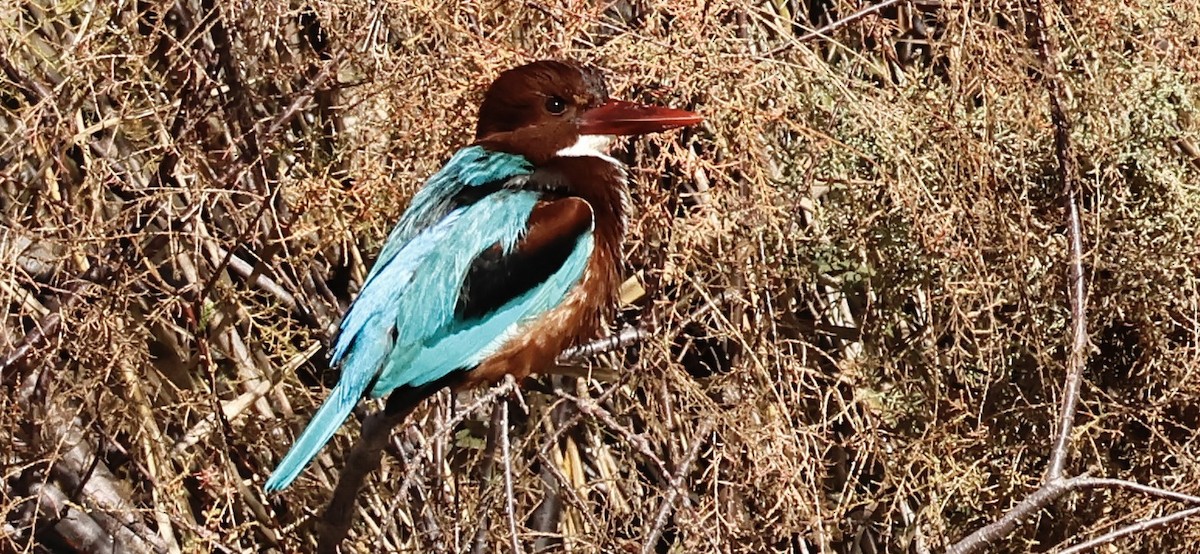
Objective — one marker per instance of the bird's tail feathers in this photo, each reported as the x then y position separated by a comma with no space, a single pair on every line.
324,424
359,371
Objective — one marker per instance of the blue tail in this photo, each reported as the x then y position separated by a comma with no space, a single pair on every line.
322,427
359,369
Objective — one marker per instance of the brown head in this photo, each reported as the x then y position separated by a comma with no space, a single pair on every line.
539,109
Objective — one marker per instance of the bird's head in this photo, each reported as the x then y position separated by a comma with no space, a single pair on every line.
540,109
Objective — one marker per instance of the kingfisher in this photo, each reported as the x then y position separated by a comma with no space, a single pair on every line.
505,257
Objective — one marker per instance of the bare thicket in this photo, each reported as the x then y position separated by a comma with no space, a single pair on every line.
925,280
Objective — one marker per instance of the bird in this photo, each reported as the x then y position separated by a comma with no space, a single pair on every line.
506,256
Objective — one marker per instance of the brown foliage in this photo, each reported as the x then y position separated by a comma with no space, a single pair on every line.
855,274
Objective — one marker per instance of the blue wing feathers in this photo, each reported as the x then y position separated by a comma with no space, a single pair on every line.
426,311
424,227
384,285
472,166
402,329
468,343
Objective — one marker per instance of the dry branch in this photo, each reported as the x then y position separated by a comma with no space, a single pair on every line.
506,455
361,462
1053,483
681,471
1139,527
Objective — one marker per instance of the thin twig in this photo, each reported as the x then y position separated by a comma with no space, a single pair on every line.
247,271
668,503
566,487
1101,482
823,31
442,431
591,408
506,454
575,418
236,171
234,408
1131,529
445,429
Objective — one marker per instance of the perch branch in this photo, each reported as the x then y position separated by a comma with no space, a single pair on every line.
479,545
363,459
627,336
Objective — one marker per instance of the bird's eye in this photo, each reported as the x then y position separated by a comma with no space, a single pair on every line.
556,105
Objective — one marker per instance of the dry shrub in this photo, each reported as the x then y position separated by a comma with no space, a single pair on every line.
854,273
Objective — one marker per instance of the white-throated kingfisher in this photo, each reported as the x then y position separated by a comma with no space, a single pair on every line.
506,256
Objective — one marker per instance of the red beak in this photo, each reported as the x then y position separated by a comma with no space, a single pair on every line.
618,117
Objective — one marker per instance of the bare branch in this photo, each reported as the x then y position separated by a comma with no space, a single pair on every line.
1068,175
1048,493
76,527
988,534
1097,482
506,453
627,336
668,503
361,462
1053,484
1131,529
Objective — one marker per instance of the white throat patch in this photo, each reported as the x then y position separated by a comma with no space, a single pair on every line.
595,146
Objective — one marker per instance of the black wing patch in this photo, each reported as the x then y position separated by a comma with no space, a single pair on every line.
496,278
